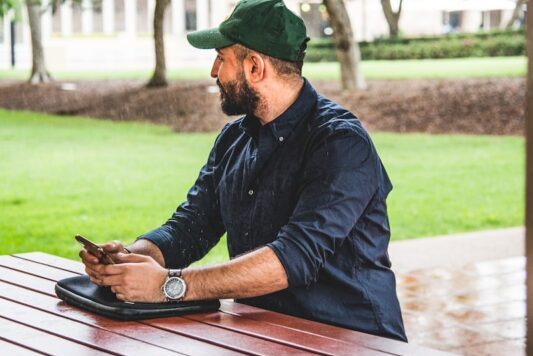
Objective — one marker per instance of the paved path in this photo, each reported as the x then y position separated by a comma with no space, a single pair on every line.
464,294
457,250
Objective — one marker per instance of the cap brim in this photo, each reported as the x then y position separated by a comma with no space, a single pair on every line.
208,39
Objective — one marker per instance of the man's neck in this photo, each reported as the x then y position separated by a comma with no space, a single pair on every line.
276,99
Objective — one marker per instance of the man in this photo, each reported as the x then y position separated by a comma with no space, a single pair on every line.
296,184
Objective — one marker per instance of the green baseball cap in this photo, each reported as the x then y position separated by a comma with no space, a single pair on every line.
265,26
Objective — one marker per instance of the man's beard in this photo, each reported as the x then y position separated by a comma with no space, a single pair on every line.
237,98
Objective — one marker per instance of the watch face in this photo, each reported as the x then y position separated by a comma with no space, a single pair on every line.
174,288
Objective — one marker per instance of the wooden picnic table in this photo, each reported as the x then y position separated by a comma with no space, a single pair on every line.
34,321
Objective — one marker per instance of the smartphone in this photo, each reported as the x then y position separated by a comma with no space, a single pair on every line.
95,250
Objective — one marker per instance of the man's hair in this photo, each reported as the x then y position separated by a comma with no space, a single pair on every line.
282,67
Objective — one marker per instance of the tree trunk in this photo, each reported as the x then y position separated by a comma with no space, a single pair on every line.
393,18
159,78
39,74
516,12
347,48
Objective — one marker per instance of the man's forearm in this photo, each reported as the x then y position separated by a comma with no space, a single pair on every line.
148,248
256,273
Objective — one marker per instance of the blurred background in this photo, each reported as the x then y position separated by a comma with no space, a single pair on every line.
107,114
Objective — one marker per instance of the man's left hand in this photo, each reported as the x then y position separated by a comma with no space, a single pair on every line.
135,278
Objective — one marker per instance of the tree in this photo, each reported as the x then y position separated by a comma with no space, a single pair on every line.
159,78
39,73
348,53
516,13
393,17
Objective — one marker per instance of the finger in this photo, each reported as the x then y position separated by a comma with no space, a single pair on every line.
118,290
87,257
113,247
114,280
109,270
91,273
131,258
121,296
96,268
95,281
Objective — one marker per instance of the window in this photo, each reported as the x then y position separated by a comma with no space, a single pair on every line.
76,17
190,15
120,19
56,20
142,16
452,21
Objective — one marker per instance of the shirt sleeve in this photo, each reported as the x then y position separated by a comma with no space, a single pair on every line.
196,225
339,182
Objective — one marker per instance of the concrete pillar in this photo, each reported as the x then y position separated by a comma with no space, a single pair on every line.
66,18
178,17
130,16
471,20
6,32
202,14
151,9
26,33
87,17
108,16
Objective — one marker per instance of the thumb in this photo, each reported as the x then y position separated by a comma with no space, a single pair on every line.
130,258
113,247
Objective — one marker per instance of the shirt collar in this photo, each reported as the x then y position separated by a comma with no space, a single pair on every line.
282,126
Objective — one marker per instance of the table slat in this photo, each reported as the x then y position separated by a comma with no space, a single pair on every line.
53,261
10,349
313,327
39,340
36,269
313,343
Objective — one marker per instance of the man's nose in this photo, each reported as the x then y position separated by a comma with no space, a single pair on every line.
214,69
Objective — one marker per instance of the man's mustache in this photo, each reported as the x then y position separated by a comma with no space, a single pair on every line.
222,90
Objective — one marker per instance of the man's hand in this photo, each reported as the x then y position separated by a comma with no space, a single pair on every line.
136,278
92,262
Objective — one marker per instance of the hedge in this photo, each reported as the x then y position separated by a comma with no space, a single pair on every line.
482,44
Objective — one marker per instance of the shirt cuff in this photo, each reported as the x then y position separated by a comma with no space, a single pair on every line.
166,244
295,261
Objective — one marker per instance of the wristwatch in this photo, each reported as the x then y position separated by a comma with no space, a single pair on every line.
174,287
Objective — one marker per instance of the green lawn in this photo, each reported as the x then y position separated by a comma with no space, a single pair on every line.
108,180
402,69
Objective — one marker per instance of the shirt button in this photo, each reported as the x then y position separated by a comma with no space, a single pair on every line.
250,192
245,234
281,139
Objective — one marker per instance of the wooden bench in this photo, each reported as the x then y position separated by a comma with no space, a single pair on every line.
34,321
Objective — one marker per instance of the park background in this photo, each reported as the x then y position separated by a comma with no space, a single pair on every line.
105,140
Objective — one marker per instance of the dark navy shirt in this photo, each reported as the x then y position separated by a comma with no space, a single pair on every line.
311,186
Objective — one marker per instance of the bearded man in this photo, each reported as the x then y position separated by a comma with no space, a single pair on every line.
296,184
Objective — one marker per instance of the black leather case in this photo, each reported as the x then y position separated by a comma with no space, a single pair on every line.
81,292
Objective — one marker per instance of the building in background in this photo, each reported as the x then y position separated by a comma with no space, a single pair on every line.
117,34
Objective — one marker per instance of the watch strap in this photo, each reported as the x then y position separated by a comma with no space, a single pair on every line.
174,273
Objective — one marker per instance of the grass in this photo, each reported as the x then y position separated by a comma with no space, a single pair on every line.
111,180
401,69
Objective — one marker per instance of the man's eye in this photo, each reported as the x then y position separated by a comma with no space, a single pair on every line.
219,58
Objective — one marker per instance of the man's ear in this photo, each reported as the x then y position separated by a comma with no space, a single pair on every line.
254,67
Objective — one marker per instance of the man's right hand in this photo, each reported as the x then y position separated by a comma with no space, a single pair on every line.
93,265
